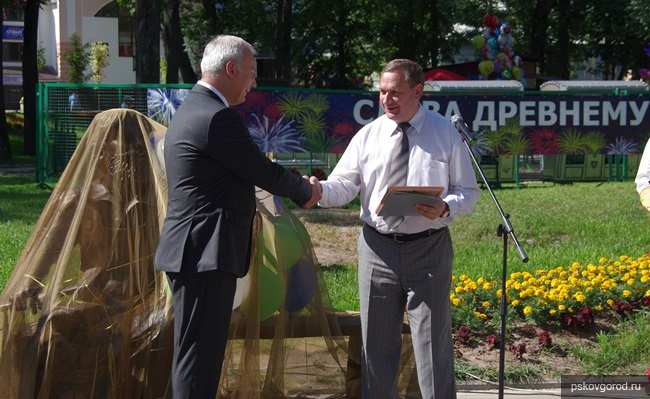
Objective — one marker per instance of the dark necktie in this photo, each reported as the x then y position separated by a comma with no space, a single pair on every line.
399,168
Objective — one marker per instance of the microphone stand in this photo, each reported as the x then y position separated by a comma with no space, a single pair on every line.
503,230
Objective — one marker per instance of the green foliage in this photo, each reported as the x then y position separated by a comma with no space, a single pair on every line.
572,141
40,56
20,207
78,58
99,59
624,351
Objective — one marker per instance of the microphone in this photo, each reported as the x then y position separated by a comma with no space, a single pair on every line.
462,128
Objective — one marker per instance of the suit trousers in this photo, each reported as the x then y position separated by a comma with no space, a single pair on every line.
202,309
414,276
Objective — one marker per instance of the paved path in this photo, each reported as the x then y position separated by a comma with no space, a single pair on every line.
17,168
510,394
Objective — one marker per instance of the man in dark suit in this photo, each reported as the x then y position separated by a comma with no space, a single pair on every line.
213,166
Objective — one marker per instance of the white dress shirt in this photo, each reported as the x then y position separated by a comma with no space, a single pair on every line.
438,157
642,179
215,91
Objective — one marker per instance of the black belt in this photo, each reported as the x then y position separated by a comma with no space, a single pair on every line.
406,237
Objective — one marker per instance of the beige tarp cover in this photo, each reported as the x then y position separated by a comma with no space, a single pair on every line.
85,315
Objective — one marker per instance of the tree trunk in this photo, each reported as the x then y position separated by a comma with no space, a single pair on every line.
5,149
279,49
286,40
342,57
171,76
147,41
177,43
538,35
30,74
563,37
434,26
211,16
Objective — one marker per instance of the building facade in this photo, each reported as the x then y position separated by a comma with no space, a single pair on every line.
93,20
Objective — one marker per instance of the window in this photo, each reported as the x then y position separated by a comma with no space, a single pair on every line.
12,52
125,35
125,24
13,14
575,159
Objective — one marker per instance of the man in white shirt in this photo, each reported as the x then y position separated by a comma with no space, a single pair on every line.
643,178
406,266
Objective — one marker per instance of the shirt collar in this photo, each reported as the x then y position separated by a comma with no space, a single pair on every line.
417,120
215,91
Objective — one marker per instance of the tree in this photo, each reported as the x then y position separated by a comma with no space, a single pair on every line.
147,41
99,59
78,58
283,33
30,73
176,56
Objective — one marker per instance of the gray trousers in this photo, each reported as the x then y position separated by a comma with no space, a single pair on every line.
416,276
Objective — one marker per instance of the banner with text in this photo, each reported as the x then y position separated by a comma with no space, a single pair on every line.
290,121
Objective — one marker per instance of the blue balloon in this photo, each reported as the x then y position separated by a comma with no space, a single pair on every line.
301,285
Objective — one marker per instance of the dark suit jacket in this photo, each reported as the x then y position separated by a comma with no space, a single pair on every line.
213,166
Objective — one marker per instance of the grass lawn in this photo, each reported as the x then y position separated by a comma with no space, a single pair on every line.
557,225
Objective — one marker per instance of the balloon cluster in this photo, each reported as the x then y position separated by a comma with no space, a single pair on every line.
284,276
496,46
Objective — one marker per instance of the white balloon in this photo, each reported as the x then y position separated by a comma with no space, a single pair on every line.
243,285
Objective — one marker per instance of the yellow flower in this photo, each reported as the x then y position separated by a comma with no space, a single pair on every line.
486,304
528,310
627,293
487,286
610,302
561,307
456,301
471,286
516,302
552,311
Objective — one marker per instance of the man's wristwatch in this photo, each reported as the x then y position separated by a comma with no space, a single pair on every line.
445,213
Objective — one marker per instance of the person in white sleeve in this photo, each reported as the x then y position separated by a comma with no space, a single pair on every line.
643,178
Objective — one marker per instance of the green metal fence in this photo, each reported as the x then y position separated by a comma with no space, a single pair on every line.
64,122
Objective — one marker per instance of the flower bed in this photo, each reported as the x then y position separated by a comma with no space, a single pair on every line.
567,296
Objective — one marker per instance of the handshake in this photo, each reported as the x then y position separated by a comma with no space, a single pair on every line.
316,191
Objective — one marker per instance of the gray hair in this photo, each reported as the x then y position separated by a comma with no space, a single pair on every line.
222,49
413,73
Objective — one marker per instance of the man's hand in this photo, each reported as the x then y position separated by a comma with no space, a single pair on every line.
431,212
316,191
